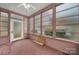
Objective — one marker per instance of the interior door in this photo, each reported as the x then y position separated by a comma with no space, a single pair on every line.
16,29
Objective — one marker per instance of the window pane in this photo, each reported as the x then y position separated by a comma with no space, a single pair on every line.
17,17
25,25
49,12
4,14
69,12
31,25
66,6
5,33
3,18
47,23
4,24
67,21
3,29
17,29
37,24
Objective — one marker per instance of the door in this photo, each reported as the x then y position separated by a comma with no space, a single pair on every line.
16,29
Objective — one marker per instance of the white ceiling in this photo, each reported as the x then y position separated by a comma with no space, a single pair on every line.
22,10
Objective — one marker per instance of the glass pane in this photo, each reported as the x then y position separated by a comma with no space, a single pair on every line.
67,22
68,12
37,24
66,6
25,25
14,16
37,17
47,23
31,25
47,18
49,12
3,18
3,28
3,24
5,33
17,29
4,14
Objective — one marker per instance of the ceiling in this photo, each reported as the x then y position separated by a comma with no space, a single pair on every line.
14,7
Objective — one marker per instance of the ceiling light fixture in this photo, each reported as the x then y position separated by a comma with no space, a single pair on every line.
27,6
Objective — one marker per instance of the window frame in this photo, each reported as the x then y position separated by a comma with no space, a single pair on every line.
4,26
66,39
37,25
53,23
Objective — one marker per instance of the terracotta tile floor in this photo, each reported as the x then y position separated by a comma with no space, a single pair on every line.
27,47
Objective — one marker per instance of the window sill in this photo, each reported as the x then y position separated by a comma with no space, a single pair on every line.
57,38
70,41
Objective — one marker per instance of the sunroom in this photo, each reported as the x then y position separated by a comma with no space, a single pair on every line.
39,28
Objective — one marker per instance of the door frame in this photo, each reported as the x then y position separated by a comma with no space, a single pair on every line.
11,30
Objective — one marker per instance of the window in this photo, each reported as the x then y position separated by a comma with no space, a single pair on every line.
17,17
67,21
31,25
17,25
37,24
47,23
25,26
3,24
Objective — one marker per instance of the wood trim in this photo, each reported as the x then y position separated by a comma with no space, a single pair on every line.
54,21
77,51
0,24
28,27
9,17
41,25
23,27
34,23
